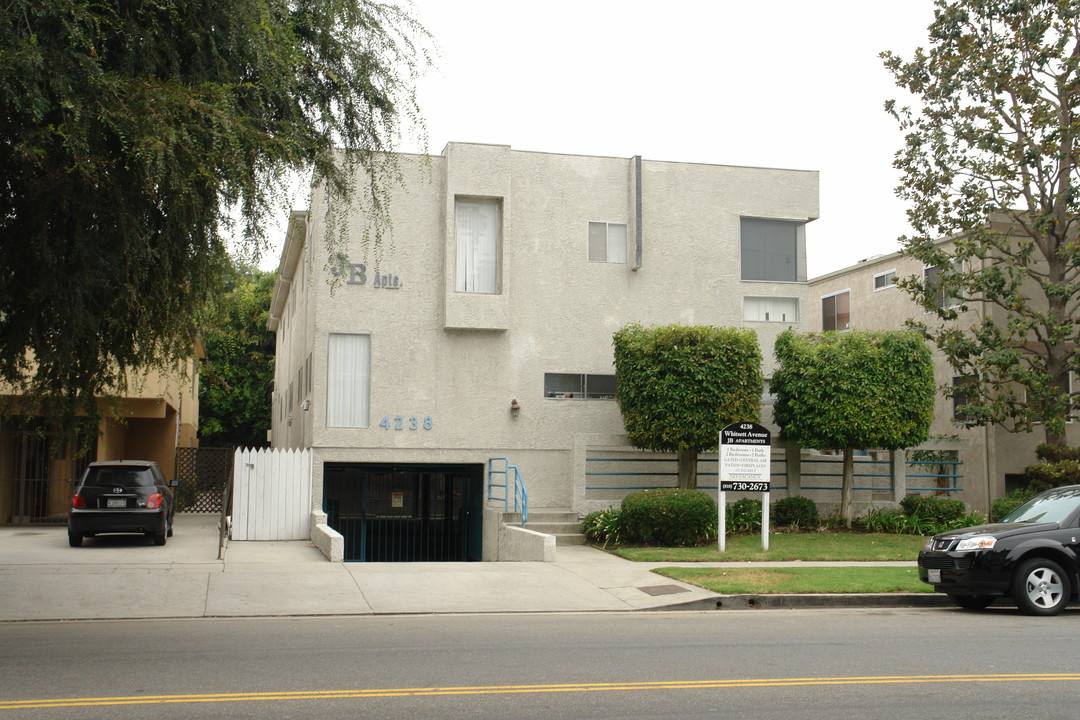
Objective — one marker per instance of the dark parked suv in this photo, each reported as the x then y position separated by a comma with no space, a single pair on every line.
1032,556
122,496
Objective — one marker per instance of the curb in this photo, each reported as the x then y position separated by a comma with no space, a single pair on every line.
823,600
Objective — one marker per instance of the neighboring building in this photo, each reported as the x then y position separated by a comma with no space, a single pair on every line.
159,413
865,297
483,327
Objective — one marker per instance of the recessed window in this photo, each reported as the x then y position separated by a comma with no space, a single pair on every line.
771,309
477,223
884,280
1038,414
768,397
579,385
348,380
773,250
836,311
607,242
964,391
933,280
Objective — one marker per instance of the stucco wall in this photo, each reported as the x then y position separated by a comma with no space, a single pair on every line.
460,359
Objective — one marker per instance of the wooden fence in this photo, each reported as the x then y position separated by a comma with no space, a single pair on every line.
271,494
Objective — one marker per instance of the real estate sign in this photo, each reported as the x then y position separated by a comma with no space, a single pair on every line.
745,466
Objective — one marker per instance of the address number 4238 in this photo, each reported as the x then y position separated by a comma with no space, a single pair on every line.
399,422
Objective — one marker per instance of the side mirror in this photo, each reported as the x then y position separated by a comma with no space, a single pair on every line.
174,483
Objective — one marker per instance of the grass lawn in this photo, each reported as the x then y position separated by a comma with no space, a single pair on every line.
734,581
788,546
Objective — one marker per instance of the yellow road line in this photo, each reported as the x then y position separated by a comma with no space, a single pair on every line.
517,689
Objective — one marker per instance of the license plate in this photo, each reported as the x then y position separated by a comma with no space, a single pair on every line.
116,503
933,576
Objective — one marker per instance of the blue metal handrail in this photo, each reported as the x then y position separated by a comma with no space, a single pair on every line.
521,495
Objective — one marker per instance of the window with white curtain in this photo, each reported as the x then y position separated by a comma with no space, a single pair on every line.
348,380
771,309
477,224
607,242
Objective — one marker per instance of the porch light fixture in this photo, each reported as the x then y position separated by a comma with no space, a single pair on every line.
515,408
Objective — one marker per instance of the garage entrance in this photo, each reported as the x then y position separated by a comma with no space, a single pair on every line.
405,513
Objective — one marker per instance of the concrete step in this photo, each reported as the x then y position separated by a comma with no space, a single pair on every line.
565,525
554,528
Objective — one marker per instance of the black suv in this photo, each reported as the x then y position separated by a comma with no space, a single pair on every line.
122,496
1031,556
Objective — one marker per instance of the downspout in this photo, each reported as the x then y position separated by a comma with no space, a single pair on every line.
637,213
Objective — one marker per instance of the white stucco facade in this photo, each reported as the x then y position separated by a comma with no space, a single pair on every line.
445,365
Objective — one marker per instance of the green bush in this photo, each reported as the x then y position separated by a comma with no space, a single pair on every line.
1056,453
1046,475
795,512
894,521
938,511
744,516
668,517
603,526
187,493
1007,503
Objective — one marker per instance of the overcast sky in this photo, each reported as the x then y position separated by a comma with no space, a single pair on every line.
772,83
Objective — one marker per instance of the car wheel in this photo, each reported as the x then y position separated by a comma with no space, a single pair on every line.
159,538
973,602
74,539
170,530
1040,587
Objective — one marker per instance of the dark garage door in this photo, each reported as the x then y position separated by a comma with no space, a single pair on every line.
405,513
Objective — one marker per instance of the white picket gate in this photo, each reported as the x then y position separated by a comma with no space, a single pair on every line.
271,494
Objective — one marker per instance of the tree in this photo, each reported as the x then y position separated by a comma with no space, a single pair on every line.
135,135
678,386
857,389
237,377
990,161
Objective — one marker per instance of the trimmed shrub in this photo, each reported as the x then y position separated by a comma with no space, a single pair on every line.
603,526
668,517
1056,453
795,512
938,511
1007,503
744,516
1046,475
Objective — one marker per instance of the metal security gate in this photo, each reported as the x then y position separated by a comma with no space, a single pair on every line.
41,470
405,513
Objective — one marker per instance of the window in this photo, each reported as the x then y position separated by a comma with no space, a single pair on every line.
576,385
836,311
932,279
477,237
607,242
348,380
963,392
771,309
773,250
768,397
884,280
1039,413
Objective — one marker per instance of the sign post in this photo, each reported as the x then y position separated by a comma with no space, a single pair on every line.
745,466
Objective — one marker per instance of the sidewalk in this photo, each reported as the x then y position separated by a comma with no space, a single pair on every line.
123,577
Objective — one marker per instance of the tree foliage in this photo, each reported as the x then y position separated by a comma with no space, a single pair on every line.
858,389
237,378
678,386
990,160
135,135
